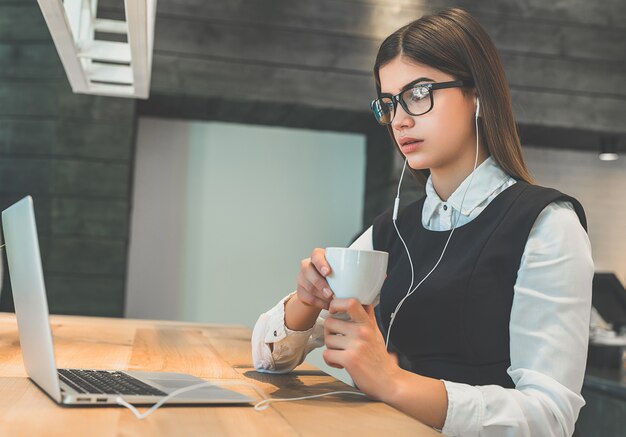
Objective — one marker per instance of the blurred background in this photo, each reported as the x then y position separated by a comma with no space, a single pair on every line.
256,145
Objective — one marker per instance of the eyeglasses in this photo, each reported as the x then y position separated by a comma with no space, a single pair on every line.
416,100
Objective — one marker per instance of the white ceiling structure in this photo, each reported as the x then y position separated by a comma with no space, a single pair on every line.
96,66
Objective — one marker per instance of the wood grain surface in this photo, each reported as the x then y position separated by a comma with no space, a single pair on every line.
204,350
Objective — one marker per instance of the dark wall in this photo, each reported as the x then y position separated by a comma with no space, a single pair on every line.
565,61
73,154
299,61
291,63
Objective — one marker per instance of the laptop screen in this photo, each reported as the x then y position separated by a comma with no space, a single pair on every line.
29,295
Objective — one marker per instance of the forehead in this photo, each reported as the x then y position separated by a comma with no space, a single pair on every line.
401,71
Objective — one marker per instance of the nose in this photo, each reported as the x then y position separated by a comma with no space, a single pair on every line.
402,120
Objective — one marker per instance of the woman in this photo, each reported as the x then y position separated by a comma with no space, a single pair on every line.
494,340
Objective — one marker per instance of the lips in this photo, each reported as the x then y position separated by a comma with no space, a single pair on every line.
408,140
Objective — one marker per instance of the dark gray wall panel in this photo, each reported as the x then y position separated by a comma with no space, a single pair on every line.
239,43
374,16
89,217
229,49
88,295
107,140
250,81
83,256
605,114
55,99
64,177
30,60
24,176
73,154
22,21
575,77
89,179
278,45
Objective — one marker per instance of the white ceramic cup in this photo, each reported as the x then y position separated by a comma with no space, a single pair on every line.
356,273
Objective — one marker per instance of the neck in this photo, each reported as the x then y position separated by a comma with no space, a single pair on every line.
446,179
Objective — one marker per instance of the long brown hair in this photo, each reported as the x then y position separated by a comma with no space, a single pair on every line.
454,42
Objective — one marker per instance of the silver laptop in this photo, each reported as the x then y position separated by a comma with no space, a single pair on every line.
78,386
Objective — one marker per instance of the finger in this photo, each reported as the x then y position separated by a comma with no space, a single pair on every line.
324,293
334,326
308,285
311,279
308,298
318,259
332,358
336,342
351,306
318,282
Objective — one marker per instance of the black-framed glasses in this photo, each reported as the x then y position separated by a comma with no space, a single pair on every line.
417,99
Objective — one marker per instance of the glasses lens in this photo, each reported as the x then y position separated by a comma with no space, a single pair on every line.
417,100
383,110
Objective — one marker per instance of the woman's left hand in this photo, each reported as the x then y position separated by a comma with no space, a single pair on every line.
360,348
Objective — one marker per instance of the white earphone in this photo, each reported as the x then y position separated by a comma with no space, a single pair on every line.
396,205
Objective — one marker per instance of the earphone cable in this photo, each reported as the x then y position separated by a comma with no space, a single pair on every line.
259,406
458,216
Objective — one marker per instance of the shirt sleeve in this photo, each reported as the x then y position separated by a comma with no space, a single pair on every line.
549,331
291,347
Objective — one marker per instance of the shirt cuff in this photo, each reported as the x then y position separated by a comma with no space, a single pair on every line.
277,330
466,410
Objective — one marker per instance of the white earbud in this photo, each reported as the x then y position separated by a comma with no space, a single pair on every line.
477,106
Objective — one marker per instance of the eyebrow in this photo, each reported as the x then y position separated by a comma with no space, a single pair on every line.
410,84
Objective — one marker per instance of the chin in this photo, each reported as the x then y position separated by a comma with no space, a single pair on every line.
418,163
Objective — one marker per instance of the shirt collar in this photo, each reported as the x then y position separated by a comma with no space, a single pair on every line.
488,177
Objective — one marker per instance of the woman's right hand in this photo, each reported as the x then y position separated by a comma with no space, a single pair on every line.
313,290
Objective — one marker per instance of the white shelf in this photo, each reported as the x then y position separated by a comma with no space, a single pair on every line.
73,24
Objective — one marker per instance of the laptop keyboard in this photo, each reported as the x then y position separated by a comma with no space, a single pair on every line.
105,382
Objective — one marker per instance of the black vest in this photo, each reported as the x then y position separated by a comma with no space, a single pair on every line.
455,326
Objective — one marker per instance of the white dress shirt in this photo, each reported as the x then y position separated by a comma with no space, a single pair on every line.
549,326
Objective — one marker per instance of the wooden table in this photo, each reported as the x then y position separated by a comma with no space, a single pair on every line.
207,351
